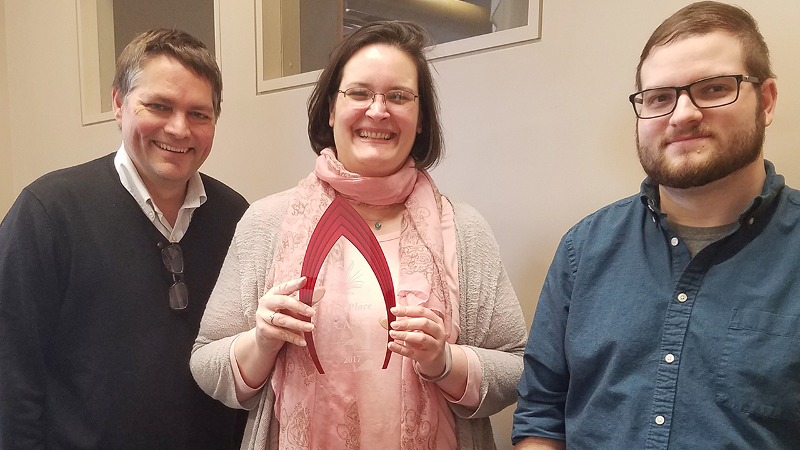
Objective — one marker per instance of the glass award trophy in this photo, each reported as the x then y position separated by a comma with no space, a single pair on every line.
341,220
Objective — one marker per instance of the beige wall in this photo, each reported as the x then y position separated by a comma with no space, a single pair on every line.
44,92
538,135
7,191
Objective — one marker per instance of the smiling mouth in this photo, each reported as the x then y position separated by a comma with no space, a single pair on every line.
375,135
170,148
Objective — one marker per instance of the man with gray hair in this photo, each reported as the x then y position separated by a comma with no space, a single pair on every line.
106,268
671,319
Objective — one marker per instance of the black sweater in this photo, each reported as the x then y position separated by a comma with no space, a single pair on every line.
91,355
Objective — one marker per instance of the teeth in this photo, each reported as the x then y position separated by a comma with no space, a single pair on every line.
374,135
171,149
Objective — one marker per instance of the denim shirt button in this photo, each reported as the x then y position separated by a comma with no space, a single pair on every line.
682,297
669,358
660,420
751,220
674,241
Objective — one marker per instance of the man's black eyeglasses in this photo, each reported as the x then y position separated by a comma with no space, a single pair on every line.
709,92
173,261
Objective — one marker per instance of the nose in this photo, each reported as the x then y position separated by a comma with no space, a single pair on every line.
377,109
177,125
685,110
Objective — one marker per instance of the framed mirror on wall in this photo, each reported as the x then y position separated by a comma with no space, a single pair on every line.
105,27
295,37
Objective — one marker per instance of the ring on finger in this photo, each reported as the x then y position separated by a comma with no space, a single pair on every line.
272,316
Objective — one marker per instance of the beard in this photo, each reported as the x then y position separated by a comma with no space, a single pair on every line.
740,149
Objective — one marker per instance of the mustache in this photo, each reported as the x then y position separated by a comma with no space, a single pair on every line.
693,132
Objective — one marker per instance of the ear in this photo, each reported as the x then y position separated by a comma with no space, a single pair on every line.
330,113
116,105
769,96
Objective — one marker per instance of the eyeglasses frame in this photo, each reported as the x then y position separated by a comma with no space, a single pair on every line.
375,94
182,300
678,89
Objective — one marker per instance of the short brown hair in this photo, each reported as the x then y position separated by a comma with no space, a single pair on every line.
701,18
412,39
177,44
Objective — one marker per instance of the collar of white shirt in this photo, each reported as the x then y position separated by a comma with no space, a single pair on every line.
195,196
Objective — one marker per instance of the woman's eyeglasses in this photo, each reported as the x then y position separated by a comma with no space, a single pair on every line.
395,99
172,256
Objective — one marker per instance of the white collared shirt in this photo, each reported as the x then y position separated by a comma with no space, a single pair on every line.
195,196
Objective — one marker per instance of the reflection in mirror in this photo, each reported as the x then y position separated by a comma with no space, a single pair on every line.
298,35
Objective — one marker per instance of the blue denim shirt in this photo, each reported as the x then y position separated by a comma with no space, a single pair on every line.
636,345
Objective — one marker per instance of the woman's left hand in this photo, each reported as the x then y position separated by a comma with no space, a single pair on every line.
419,334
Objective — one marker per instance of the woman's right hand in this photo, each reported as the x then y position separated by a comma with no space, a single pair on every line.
279,316
278,320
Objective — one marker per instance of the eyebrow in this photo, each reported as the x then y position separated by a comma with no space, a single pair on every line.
686,84
161,99
360,84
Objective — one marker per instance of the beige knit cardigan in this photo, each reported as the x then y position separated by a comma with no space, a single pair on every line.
490,318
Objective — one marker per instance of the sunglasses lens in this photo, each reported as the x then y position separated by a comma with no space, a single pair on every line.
173,258
178,296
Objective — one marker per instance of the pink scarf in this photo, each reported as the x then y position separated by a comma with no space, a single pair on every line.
321,411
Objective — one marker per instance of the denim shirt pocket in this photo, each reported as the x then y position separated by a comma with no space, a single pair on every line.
759,371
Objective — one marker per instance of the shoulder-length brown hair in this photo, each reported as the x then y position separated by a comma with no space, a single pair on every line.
428,146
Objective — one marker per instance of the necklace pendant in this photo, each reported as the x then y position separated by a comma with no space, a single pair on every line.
378,225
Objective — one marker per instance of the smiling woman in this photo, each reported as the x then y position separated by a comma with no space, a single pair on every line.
374,138
374,122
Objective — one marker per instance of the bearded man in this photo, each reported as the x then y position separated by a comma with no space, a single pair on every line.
671,319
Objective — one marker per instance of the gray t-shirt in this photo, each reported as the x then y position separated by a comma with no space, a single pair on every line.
697,238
